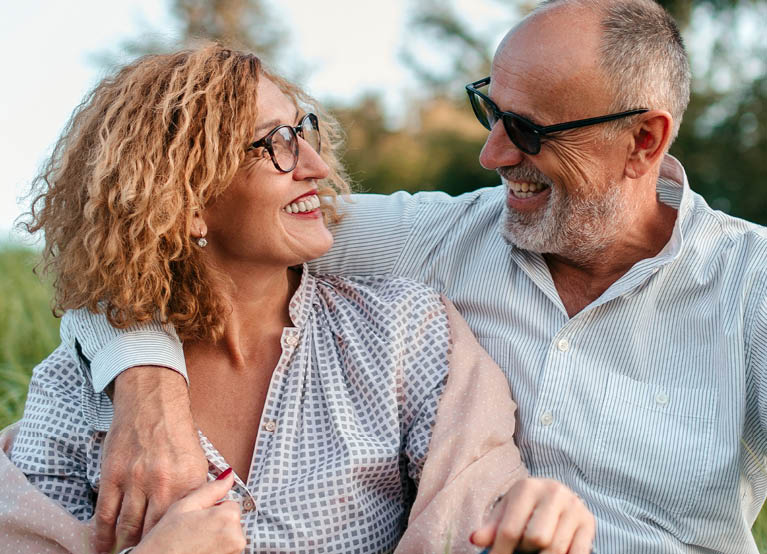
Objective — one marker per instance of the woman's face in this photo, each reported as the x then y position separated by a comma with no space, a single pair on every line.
266,217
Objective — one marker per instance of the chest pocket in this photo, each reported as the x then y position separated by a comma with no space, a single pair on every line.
654,443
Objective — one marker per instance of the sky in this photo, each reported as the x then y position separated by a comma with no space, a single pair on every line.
49,52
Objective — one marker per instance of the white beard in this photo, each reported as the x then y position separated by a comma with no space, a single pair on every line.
578,228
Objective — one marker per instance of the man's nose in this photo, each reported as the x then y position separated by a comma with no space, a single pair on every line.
498,150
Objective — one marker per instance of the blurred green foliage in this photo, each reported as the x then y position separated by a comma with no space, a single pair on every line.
28,330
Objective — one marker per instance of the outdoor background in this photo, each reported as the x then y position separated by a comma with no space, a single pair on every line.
392,72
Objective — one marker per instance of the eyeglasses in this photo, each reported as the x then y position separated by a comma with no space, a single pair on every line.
282,142
525,134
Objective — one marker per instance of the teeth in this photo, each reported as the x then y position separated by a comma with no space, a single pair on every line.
525,190
306,204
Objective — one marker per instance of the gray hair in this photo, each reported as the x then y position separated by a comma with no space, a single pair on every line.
642,55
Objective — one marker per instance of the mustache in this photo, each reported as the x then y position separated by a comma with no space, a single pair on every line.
526,172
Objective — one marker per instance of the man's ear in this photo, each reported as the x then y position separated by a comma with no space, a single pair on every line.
650,139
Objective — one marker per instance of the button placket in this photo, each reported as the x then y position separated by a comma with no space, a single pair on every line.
554,380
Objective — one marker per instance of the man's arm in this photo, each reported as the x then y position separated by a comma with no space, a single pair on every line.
152,454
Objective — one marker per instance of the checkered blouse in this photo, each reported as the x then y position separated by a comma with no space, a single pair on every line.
343,435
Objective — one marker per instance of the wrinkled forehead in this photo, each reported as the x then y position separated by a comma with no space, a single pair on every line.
551,57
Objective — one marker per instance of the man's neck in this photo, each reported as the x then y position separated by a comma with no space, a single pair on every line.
580,282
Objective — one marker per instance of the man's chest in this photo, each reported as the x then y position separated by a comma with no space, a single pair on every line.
640,399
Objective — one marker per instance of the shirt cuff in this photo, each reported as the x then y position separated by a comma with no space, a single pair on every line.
138,348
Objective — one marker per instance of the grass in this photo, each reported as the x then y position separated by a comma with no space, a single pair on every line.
29,332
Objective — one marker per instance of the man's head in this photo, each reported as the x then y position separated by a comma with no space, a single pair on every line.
576,59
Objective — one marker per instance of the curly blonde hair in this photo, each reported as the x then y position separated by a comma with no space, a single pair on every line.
145,150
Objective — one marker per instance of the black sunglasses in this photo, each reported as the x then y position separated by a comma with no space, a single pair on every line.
525,134
282,142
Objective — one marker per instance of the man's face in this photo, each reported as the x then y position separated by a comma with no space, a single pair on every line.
567,199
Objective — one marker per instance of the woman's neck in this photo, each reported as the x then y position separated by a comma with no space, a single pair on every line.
259,300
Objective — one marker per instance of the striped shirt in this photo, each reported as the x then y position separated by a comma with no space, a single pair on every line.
344,432
650,403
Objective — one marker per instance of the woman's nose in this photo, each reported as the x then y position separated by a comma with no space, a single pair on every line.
310,164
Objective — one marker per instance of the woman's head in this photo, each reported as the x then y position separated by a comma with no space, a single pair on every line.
149,152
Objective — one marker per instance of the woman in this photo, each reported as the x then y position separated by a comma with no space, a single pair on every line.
193,187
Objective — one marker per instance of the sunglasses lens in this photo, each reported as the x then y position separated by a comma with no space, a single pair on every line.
522,135
310,131
285,147
483,111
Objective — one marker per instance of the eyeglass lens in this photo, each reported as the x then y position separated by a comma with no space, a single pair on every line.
285,144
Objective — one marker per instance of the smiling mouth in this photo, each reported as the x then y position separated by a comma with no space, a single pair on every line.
305,205
525,189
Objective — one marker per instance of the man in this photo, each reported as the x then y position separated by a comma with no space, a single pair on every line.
629,317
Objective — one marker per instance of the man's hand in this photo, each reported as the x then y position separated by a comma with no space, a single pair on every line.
152,455
538,515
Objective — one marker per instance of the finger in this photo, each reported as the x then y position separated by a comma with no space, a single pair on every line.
543,522
583,540
208,494
131,519
154,512
516,514
564,533
484,535
107,509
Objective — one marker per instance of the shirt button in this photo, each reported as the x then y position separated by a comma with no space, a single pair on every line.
248,505
547,418
563,345
270,426
291,340
661,398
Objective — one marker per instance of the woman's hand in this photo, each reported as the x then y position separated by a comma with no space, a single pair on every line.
197,523
538,515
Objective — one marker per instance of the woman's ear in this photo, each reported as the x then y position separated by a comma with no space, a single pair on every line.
198,228
649,142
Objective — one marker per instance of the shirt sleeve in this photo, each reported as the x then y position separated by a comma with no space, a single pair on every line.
390,235
755,438
52,444
104,351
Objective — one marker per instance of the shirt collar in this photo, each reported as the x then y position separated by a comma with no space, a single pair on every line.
301,303
674,190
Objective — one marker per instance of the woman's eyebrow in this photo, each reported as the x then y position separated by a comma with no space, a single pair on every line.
268,125
274,123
